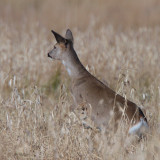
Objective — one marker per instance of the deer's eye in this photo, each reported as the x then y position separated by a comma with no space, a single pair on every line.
54,47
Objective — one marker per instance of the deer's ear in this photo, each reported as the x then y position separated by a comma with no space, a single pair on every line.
69,35
58,37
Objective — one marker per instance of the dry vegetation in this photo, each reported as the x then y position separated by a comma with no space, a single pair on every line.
119,43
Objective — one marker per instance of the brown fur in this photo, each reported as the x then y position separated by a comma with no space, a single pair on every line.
88,89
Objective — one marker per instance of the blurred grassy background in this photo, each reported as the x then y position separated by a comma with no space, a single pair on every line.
116,40
60,14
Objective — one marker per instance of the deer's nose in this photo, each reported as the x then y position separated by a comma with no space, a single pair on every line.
49,55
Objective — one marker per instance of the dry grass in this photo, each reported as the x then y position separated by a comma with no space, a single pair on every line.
35,119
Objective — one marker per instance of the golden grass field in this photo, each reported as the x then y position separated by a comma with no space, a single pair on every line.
118,42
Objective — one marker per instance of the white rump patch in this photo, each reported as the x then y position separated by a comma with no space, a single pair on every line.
139,128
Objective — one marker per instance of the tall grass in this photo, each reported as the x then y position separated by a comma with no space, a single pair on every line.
35,117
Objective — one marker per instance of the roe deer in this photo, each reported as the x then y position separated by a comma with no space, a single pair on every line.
85,87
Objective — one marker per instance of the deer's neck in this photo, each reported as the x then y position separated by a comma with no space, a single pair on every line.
73,66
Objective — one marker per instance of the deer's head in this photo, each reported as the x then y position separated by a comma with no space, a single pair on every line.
63,46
